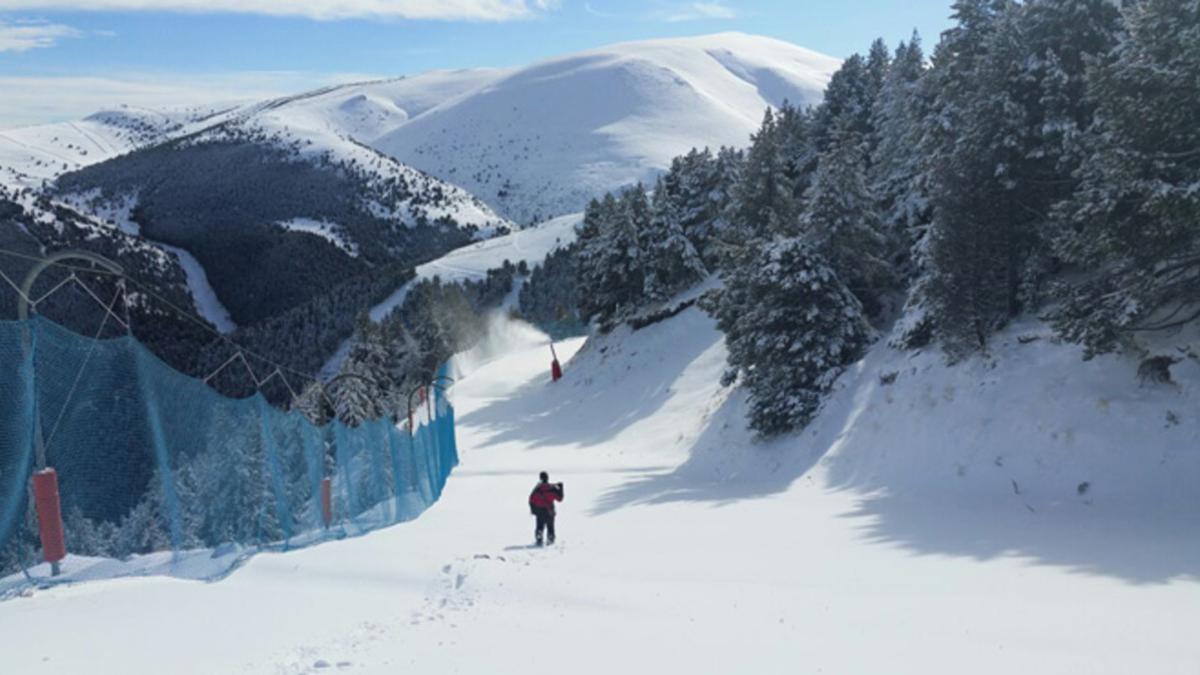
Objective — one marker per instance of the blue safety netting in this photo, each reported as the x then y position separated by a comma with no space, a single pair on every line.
160,471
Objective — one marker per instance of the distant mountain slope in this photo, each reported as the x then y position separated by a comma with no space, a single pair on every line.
233,200
361,111
31,155
279,199
540,141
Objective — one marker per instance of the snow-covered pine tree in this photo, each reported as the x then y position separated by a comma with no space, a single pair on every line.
976,250
798,146
727,173
840,221
996,155
897,179
147,527
763,204
314,404
671,261
698,198
896,165
359,391
791,327
1132,229
610,276
611,264
850,95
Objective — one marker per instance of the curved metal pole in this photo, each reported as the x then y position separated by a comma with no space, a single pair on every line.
53,259
39,443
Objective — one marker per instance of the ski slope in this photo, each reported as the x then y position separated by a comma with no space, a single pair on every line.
931,525
530,245
472,262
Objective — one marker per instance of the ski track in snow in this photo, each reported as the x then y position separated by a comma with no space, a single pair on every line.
207,303
894,535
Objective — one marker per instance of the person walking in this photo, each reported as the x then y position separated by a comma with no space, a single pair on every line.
541,505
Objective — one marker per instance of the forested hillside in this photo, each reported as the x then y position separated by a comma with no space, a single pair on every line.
1042,162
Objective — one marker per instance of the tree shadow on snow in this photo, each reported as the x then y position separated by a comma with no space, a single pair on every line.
985,521
1087,540
723,468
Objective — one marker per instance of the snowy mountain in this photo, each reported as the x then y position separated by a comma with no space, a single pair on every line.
540,141
359,111
280,197
264,204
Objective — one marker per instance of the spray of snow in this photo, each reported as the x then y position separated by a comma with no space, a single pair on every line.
505,335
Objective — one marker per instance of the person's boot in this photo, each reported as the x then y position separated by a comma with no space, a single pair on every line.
539,540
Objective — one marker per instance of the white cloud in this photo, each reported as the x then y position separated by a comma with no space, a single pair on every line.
470,10
22,36
41,100
698,11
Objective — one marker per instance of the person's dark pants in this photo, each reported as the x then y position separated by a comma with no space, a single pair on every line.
545,521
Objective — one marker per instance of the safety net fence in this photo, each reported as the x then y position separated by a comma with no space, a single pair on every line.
158,473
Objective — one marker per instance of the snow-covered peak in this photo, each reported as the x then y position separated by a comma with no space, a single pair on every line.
540,141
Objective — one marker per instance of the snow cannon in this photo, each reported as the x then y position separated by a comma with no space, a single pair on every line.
49,515
556,372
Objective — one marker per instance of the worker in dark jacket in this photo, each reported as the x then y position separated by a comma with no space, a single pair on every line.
541,504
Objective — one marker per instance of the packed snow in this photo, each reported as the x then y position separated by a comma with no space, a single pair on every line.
899,533
204,296
530,246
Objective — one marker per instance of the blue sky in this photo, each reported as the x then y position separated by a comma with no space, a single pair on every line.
61,59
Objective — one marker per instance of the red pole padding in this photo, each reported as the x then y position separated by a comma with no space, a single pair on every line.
555,371
327,500
49,514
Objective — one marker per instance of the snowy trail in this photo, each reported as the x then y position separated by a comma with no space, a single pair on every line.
660,568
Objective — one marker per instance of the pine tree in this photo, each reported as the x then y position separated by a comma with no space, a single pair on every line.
791,327
995,147
840,221
764,204
727,174
1130,230
896,168
671,261
360,390
798,147
611,273
589,257
850,96
694,186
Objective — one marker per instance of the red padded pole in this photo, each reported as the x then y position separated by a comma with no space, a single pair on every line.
327,500
49,514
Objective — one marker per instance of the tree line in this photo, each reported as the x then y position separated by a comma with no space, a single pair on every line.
1045,159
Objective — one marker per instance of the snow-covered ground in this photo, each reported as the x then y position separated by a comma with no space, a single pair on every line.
542,140
31,155
1023,513
471,263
